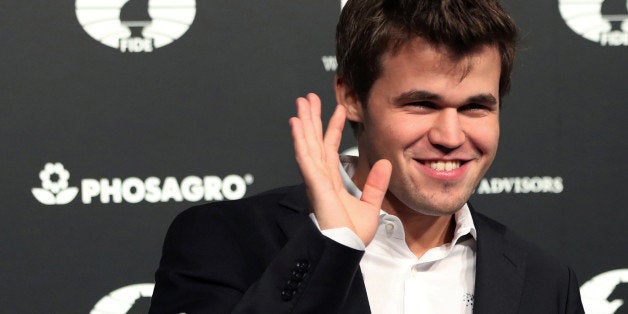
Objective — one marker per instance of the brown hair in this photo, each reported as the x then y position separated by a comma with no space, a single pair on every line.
369,28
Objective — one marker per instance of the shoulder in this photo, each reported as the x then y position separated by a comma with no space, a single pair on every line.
534,255
511,266
542,270
265,204
249,217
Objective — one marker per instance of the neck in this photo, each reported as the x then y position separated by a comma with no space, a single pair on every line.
422,232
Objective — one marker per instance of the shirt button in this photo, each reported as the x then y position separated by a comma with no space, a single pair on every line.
390,227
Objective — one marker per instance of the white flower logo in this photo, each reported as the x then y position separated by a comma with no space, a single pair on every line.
54,183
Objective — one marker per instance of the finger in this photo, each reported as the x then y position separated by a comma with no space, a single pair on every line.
377,183
333,137
315,112
301,152
313,140
298,138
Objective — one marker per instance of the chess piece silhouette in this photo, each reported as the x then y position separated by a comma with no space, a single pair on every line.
615,11
620,292
140,306
134,15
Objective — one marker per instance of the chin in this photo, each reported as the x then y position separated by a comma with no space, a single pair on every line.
426,205
441,203
439,210
437,201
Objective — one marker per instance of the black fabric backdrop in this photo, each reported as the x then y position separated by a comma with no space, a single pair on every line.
144,135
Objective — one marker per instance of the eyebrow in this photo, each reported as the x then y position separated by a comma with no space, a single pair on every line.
483,98
416,95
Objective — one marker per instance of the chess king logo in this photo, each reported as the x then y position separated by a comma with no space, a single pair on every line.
135,26
126,300
601,21
606,293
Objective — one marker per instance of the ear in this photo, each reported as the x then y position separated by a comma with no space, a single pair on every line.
346,97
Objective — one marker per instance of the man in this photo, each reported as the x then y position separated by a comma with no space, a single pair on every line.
389,231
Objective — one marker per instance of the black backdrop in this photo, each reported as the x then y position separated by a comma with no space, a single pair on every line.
195,109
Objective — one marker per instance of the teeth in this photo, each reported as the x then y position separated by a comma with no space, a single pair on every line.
443,165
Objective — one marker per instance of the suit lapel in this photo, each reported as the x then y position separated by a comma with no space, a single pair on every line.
500,269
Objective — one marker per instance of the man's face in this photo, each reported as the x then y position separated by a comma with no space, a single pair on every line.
436,120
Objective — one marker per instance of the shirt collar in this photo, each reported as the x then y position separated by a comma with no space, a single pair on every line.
464,221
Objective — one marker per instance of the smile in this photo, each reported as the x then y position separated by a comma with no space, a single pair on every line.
441,165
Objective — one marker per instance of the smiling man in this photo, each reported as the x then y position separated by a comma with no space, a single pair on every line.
390,231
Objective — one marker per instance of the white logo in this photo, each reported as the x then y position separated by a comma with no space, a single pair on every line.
55,190
518,185
601,21
606,292
54,183
122,300
154,190
135,25
329,63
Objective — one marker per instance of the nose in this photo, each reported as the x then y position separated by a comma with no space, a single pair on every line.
446,133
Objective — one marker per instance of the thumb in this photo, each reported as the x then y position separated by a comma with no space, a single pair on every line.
377,183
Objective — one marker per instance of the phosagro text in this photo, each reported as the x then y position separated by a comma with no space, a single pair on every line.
154,190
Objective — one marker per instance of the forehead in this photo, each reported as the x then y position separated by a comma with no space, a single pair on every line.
419,65
421,55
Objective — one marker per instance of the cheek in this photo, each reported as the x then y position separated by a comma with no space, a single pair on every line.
400,133
485,135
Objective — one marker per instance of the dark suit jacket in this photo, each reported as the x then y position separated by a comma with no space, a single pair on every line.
264,255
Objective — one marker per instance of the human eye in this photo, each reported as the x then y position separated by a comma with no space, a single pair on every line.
421,105
472,106
475,109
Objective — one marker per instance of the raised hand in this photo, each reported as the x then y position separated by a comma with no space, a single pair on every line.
317,157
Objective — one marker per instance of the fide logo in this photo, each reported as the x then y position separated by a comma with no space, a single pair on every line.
54,186
135,26
126,300
601,21
606,293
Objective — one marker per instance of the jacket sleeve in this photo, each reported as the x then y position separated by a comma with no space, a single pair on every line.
208,267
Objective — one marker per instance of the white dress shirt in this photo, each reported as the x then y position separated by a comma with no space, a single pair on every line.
441,281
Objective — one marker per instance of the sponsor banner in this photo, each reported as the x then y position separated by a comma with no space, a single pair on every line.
56,190
516,185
